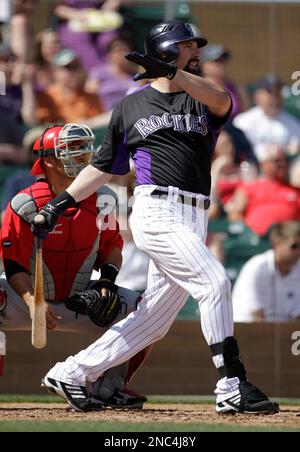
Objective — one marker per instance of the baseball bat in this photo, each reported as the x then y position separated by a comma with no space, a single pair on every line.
39,327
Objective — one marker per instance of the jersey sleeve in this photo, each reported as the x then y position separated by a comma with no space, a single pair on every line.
216,122
110,239
16,239
113,156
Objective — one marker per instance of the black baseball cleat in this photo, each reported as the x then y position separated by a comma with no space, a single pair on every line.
250,400
126,399
76,396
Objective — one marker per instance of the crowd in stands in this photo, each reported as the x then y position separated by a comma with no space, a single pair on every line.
75,71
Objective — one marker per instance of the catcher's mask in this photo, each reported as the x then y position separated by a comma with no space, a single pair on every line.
73,144
74,147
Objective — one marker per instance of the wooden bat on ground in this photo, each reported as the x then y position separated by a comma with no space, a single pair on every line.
39,327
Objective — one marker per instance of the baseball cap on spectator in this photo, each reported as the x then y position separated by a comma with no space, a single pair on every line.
214,52
64,58
269,83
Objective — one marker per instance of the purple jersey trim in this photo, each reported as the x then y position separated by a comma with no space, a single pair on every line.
121,163
140,88
142,163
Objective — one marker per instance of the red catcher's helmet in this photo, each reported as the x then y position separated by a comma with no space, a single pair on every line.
44,146
73,144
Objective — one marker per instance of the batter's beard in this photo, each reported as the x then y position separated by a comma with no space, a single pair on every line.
196,70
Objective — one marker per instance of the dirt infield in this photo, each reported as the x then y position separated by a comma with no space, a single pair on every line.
177,413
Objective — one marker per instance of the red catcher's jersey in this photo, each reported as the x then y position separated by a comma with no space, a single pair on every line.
70,253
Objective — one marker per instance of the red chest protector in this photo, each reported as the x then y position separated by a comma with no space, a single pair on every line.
70,251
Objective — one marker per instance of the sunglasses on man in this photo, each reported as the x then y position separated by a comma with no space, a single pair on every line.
295,246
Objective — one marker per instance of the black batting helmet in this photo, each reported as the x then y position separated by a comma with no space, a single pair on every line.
162,40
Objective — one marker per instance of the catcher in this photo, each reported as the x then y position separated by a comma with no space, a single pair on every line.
70,254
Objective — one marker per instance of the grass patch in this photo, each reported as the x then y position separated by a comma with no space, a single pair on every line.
84,426
38,398
191,400
157,399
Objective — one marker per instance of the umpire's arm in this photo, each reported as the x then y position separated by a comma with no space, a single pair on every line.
205,91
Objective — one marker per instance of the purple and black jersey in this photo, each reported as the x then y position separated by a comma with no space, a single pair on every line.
170,137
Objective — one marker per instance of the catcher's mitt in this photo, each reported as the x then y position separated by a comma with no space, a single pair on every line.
102,310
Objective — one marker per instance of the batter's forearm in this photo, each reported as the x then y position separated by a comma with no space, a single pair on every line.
88,182
205,91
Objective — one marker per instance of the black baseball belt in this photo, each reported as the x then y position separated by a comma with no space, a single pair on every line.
189,200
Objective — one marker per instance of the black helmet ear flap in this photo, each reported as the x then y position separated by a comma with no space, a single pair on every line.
170,54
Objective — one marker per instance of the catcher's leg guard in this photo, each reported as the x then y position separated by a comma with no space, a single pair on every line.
113,380
110,388
136,361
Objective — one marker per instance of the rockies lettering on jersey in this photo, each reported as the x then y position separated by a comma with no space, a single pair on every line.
179,123
170,137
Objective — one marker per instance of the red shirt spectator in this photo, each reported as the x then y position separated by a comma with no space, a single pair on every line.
268,200
226,189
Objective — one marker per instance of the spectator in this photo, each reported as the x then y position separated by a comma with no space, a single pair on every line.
227,174
267,120
11,102
90,47
243,147
295,173
65,100
113,79
21,30
13,110
267,288
11,134
214,59
5,17
18,104
269,199
48,47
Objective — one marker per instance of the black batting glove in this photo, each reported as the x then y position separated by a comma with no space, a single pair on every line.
51,211
41,230
154,68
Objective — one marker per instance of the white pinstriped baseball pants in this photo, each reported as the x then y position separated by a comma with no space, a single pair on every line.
173,235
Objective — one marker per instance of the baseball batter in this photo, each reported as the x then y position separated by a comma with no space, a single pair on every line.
169,128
